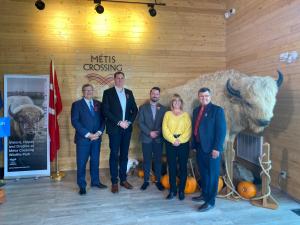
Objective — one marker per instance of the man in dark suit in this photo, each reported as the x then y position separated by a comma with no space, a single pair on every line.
88,121
209,131
120,110
150,121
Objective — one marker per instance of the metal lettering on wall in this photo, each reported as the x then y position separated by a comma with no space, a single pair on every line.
101,69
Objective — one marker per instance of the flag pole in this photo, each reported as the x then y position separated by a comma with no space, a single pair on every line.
57,175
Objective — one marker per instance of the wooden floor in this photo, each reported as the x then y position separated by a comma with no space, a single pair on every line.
43,201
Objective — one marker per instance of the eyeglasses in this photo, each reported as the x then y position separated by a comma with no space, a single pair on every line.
87,90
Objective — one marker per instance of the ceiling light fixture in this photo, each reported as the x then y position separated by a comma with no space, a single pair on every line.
40,5
152,11
99,8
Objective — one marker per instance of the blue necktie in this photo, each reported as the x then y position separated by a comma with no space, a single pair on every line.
92,109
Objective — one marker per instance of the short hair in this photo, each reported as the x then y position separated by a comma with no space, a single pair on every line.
175,97
118,72
204,89
86,85
155,88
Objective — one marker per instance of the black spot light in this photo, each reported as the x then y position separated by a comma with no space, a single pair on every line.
40,5
152,11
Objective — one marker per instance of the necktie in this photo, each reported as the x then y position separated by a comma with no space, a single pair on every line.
197,124
92,108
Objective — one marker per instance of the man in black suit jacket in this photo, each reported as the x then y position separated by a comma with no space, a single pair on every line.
150,119
88,121
120,110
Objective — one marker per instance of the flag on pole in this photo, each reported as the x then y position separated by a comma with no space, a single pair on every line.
55,108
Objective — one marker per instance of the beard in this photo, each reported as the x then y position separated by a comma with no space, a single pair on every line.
154,99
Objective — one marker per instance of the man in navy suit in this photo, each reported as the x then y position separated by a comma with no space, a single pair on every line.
88,121
120,110
209,131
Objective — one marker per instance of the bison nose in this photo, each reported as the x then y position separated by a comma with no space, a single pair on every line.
263,123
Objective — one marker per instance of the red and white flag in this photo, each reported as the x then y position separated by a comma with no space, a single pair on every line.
55,108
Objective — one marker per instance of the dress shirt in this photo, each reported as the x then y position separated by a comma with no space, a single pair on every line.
122,98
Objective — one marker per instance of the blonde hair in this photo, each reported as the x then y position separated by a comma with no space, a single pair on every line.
174,98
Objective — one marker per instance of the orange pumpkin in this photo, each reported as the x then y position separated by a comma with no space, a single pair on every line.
191,185
141,173
220,184
165,181
2,196
246,189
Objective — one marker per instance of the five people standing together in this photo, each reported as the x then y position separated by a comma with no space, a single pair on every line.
118,111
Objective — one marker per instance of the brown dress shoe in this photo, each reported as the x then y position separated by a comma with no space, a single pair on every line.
114,188
126,184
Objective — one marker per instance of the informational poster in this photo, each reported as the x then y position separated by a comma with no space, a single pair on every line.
26,150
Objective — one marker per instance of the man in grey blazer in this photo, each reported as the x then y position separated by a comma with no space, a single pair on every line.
150,121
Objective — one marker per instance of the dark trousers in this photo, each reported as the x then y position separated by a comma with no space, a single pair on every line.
209,171
118,158
152,150
83,152
178,154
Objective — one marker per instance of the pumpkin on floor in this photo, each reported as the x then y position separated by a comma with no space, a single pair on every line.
165,181
141,173
246,189
220,184
2,196
191,185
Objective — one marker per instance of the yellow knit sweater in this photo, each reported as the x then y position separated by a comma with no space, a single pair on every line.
180,124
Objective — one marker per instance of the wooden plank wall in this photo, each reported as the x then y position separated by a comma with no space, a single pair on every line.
255,37
186,38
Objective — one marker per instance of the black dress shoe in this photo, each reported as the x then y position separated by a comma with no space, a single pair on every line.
126,185
159,186
205,207
144,186
171,195
181,196
198,198
82,191
100,185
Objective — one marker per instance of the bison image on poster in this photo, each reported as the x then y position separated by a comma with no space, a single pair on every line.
27,108
25,117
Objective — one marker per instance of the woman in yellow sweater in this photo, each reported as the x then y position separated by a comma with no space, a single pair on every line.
177,129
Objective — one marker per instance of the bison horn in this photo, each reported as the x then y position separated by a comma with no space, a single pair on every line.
231,91
280,78
11,113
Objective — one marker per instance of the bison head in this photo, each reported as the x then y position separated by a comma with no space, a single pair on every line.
257,97
26,118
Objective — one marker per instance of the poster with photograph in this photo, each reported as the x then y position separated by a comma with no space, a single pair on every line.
26,150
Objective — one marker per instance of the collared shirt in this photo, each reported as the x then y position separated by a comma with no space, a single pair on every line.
153,108
88,102
122,98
